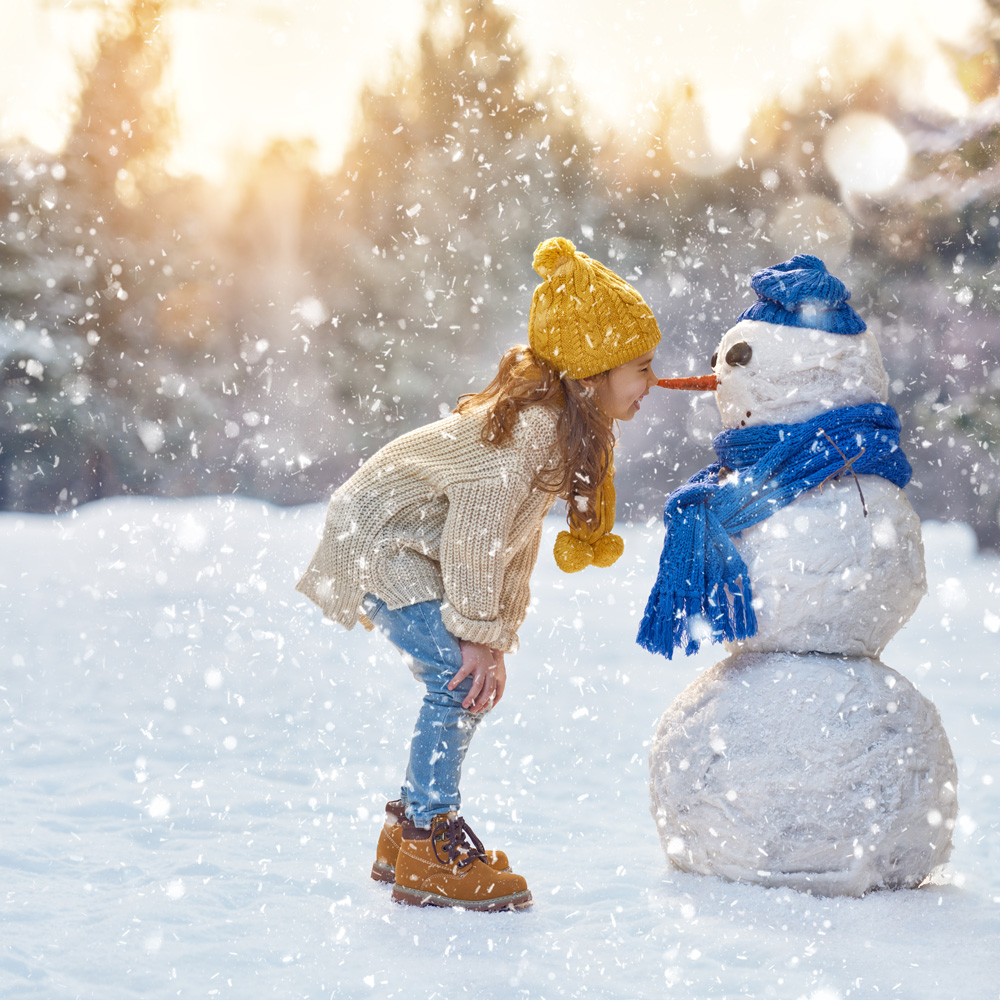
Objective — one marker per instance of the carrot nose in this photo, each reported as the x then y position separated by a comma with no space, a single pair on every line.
700,383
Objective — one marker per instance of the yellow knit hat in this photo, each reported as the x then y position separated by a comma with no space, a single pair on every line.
584,319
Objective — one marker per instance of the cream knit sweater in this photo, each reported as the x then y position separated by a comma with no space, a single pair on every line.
438,514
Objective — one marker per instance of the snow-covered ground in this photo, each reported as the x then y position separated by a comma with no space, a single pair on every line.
193,768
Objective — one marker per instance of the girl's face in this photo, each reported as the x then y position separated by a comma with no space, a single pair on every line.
619,391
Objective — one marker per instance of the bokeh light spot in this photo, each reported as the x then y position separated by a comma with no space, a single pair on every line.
865,153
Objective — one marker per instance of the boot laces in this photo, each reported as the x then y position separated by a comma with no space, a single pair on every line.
464,846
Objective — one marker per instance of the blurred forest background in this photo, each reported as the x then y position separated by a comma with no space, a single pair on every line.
163,335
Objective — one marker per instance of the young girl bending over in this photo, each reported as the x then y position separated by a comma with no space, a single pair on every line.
433,540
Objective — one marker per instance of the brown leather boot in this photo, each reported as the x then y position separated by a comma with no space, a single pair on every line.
446,866
384,869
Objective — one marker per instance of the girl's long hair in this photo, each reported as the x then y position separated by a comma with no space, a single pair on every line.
586,436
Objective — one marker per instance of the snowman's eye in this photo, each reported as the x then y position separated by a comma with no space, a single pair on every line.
715,357
739,354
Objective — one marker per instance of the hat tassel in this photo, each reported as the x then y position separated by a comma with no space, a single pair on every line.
581,547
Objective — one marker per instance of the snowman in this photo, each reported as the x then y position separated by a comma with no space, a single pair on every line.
801,760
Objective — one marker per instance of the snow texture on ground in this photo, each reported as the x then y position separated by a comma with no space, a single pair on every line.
193,768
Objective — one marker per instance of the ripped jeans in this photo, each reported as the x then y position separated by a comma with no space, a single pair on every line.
444,729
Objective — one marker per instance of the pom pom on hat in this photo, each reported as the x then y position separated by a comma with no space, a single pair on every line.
553,254
584,319
573,553
608,549
801,292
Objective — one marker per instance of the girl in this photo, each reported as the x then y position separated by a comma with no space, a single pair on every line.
433,540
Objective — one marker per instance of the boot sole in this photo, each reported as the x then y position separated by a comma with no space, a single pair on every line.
418,897
381,872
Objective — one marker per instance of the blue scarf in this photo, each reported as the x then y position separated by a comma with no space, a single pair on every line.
701,571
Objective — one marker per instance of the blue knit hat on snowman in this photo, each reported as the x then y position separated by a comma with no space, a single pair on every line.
801,292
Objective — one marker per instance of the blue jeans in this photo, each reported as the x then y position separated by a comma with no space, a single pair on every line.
444,729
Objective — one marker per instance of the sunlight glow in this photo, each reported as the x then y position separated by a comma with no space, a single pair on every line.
865,153
690,144
245,74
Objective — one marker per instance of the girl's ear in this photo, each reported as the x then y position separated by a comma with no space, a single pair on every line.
591,382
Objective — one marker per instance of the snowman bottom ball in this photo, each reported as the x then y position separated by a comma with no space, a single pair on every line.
826,774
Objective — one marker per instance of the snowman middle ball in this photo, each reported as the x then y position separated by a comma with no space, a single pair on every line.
832,576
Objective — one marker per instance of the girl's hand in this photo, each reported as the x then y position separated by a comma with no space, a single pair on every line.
488,672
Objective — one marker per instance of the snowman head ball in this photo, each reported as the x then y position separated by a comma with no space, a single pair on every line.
798,351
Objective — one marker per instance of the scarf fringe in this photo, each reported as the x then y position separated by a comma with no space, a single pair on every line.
726,608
